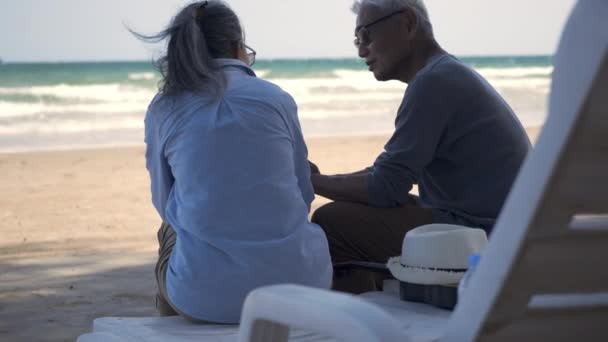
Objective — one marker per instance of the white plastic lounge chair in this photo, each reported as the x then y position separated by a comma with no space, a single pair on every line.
543,276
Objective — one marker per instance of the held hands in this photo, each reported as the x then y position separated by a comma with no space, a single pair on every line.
314,169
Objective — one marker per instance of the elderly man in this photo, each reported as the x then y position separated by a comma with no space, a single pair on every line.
455,137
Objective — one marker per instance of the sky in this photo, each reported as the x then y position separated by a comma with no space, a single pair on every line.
93,30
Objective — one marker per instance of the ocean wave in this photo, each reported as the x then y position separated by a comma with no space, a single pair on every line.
361,85
32,98
16,110
138,76
262,73
100,98
541,84
331,93
78,122
517,72
72,126
511,72
97,107
112,91
365,75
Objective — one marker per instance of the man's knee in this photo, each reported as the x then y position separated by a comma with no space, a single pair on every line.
328,215
335,222
343,221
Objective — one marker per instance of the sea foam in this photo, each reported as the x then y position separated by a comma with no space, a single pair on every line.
341,94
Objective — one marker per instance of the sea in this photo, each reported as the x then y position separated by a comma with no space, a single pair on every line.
58,106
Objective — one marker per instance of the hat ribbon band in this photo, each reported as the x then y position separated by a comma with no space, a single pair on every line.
438,269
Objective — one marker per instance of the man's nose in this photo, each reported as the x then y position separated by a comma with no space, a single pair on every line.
363,50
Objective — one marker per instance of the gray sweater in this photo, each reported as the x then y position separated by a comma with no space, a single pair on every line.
458,140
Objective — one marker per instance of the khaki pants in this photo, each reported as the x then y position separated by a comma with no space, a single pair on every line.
358,232
166,242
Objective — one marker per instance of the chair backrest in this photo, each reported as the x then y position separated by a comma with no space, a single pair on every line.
546,265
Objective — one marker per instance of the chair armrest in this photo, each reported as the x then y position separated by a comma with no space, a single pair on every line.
269,312
100,337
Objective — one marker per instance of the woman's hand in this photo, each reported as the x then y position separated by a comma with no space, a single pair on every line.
314,169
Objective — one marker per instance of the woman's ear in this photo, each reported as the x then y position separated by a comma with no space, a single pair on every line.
237,51
241,53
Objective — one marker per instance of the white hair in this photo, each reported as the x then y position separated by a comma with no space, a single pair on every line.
394,5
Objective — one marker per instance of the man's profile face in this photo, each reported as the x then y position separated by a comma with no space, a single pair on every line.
383,45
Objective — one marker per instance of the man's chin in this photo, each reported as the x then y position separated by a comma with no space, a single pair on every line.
380,76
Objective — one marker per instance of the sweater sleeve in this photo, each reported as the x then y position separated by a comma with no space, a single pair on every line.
419,126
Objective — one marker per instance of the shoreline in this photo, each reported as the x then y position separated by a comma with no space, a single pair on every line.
39,147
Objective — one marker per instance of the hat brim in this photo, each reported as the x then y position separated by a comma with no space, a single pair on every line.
422,276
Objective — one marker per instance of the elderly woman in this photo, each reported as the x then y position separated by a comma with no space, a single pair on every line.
229,173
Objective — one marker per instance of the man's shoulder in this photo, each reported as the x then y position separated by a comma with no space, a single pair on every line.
446,73
445,68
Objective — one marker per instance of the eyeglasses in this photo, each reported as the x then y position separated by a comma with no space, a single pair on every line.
362,32
250,54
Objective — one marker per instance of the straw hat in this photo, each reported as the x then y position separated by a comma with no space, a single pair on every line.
436,254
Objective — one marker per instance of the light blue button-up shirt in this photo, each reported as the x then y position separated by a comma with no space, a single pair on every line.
231,176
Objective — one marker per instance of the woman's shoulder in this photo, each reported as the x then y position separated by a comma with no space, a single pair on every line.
168,110
262,89
166,104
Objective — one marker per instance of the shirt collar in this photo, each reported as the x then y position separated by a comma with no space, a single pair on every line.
230,62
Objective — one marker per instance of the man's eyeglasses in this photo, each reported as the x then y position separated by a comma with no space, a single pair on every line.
250,54
362,32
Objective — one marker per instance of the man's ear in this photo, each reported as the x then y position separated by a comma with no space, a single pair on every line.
411,23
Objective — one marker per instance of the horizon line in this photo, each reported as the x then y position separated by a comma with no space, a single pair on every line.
109,61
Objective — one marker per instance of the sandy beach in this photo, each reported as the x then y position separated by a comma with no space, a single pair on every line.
78,234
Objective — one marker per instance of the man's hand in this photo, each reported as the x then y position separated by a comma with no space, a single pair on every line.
349,187
314,169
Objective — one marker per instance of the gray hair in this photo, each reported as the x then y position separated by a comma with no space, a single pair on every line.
417,6
199,33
